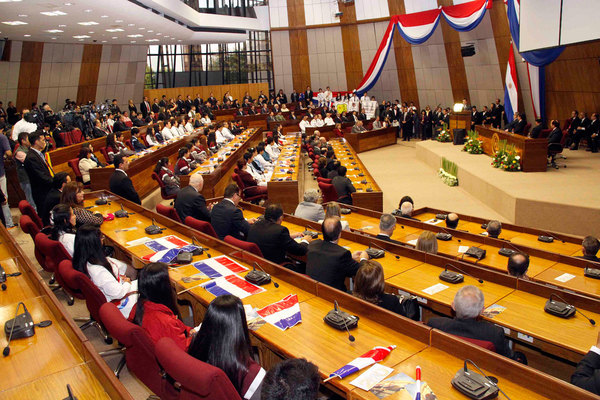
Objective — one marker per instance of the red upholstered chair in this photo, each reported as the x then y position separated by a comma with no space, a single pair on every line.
26,209
139,349
29,227
544,133
168,212
247,246
236,178
128,144
77,136
74,164
324,180
481,343
105,154
527,129
197,380
328,191
66,138
161,184
202,226
54,252
317,173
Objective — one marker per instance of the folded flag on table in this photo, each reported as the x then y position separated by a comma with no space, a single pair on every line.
372,356
231,284
284,314
168,255
219,266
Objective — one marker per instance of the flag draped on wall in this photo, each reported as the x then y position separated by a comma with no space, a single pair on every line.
417,28
511,91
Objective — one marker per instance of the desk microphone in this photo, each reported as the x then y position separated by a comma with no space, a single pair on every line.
259,267
448,233
4,275
453,277
350,337
21,326
551,236
548,308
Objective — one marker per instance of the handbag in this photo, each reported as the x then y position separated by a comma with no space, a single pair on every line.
476,252
409,306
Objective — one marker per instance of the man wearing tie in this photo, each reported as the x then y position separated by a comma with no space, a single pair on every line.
38,170
145,107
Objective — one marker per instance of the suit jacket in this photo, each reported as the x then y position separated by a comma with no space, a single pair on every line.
330,263
39,176
474,329
587,374
144,109
274,241
519,127
155,108
119,127
227,219
190,203
535,132
476,118
294,97
555,136
387,239
121,185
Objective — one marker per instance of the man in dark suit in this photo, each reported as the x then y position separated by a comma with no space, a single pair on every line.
294,97
587,373
387,225
328,262
120,125
274,239
590,247
308,95
476,118
190,202
407,124
163,101
53,198
581,131
227,219
593,133
120,184
38,170
145,107
452,220
155,106
556,134
537,129
468,304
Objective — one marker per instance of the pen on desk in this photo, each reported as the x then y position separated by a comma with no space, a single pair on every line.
418,373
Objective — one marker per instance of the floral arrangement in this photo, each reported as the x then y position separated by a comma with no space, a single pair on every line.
473,145
506,157
448,172
444,135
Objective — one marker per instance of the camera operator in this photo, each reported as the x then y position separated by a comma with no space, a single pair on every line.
25,124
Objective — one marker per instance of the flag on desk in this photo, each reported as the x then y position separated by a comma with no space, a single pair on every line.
232,284
167,256
371,357
511,96
219,266
284,314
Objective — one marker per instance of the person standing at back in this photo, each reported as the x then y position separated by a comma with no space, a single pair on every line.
226,218
38,170
120,183
20,155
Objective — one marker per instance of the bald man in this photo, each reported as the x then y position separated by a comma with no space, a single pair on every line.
190,202
328,262
452,220
518,264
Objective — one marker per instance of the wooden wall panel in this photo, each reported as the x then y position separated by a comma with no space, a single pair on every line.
298,45
407,80
88,75
572,81
350,43
237,91
29,73
456,64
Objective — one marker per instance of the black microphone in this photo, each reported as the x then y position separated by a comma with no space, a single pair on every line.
491,380
6,350
70,394
563,300
552,235
350,337
461,271
259,267
446,231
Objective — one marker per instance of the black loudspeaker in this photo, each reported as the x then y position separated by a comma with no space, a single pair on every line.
459,136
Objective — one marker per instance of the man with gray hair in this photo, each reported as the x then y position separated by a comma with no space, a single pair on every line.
494,228
387,225
309,208
406,210
190,202
468,304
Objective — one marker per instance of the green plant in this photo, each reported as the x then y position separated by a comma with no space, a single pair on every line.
506,157
444,135
500,153
473,144
449,166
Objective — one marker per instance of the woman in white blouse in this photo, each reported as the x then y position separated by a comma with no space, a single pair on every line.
107,273
63,226
86,163
205,120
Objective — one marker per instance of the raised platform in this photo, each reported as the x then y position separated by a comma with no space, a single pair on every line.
565,200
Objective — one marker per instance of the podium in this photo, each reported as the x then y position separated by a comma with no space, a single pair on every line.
460,120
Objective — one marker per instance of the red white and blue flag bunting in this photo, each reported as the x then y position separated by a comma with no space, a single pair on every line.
511,93
418,27
466,16
284,314
378,62
371,357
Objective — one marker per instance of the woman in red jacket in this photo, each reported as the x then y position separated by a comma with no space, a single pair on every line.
156,309
337,131
251,187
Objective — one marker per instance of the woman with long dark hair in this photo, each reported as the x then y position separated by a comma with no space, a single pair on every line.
63,226
156,310
86,163
107,273
223,342
72,195
164,172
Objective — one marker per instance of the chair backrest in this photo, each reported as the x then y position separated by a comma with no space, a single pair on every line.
77,136
105,154
68,275
527,129
324,180
564,138
236,178
29,227
157,179
128,144
202,226
168,212
328,191
481,343
26,209
66,138
247,246
139,349
94,298
74,164
53,252
198,379
317,173
544,133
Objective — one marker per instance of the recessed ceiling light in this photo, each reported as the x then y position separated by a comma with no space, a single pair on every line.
118,20
104,16
114,37
114,30
158,34
9,1
81,37
91,32
14,23
88,23
130,24
27,35
52,13
134,36
54,31
23,15
150,31
88,10
104,41
68,4
179,40
142,28
53,38
133,41
62,26
151,40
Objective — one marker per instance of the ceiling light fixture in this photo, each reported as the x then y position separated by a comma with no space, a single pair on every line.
134,36
27,35
9,1
88,11
23,15
88,23
68,4
81,37
14,23
62,26
54,31
118,20
133,41
114,37
130,24
53,38
104,16
151,40
114,30
52,13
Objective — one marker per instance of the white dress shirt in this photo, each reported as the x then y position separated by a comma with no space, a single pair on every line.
114,288
227,133
303,124
328,121
22,126
166,133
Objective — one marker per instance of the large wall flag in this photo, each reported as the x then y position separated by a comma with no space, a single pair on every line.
417,28
511,92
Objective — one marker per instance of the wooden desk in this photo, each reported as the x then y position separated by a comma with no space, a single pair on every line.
533,152
373,139
361,198
286,186
217,174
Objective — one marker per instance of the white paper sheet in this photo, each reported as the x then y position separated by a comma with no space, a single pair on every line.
438,287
